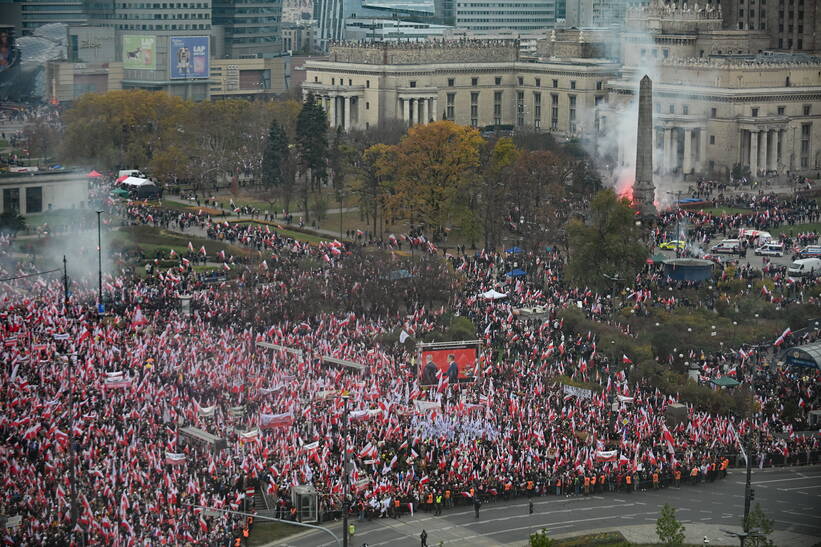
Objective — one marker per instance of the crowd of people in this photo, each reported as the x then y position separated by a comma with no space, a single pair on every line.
111,394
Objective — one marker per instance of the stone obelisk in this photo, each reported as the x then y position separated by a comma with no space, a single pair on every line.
644,192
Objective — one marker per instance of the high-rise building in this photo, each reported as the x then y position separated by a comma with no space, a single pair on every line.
35,13
252,27
524,15
597,13
793,25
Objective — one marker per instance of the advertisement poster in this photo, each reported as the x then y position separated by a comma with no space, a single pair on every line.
465,355
188,57
139,52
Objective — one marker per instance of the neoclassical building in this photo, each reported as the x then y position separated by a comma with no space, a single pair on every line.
720,98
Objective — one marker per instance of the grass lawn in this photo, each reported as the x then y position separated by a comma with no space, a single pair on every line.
150,239
266,532
61,217
798,228
727,211
293,234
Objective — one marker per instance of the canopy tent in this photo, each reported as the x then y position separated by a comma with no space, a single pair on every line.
493,295
94,174
725,381
514,250
136,181
808,355
121,178
120,193
516,273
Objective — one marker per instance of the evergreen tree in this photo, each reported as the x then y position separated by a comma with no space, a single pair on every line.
276,156
758,523
312,145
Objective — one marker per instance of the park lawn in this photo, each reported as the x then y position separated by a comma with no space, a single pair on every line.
266,532
60,217
293,234
718,211
797,228
150,239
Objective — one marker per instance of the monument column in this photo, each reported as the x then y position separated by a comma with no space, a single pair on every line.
644,191
687,164
346,102
702,150
772,165
435,115
668,150
762,160
754,153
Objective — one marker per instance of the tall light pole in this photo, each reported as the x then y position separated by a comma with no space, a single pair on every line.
345,483
99,264
72,479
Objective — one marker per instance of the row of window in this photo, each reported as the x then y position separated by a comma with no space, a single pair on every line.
685,110
184,5
520,80
163,27
34,200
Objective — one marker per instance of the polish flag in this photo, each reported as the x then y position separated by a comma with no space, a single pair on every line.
202,250
226,267
139,318
626,360
781,338
190,246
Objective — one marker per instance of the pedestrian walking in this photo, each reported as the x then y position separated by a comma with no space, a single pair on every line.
424,537
530,506
476,505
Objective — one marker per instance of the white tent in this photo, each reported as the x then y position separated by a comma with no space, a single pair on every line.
136,181
493,295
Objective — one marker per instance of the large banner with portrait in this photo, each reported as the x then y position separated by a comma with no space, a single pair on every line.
459,359
188,57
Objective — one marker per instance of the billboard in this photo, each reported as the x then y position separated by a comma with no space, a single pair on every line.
139,52
435,357
188,57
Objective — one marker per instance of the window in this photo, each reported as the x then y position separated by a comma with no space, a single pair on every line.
34,199
451,81
474,82
413,83
538,82
599,99
450,99
316,79
806,130
474,109
537,110
685,109
755,112
520,108
781,110
643,52
497,108
11,200
713,112
554,111
368,84
665,52
599,85
572,113
572,84
333,81
787,82
712,139
350,82
521,80
498,80
672,109
555,83
658,108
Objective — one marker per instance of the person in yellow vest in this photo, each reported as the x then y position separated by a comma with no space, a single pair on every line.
677,475
586,485
655,480
438,510
351,529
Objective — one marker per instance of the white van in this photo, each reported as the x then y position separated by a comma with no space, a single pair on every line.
727,246
770,249
805,267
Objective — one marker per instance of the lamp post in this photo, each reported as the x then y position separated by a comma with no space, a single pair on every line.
345,482
72,478
99,265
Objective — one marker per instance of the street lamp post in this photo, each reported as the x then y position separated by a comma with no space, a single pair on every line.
72,478
99,263
345,482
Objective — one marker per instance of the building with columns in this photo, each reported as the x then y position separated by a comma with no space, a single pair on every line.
472,82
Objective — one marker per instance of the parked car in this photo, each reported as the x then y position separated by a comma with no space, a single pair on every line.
805,267
810,251
673,245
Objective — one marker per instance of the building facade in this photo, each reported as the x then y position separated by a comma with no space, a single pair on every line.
793,25
248,78
33,193
496,15
476,83
36,13
252,27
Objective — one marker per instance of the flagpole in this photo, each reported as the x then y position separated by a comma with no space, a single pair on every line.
99,262
345,477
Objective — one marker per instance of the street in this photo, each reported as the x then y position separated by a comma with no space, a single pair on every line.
790,496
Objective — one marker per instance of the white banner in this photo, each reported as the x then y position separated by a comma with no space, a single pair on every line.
579,392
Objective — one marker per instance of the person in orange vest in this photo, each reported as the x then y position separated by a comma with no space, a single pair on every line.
237,542
397,506
586,485
530,486
694,475
725,463
628,482
448,499
245,533
602,479
655,480
593,483
678,477
429,501
508,488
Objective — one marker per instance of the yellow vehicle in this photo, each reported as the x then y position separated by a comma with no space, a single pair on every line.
673,245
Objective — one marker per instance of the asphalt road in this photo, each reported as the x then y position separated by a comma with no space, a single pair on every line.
790,496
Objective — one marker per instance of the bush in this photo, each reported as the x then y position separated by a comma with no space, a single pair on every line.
669,530
541,539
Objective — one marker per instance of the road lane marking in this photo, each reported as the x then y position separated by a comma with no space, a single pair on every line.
799,488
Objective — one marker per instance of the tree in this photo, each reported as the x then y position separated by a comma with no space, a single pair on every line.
312,145
434,166
758,522
276,156
669,530
497,162
12,222
607,247
373,184
541,539
42,138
